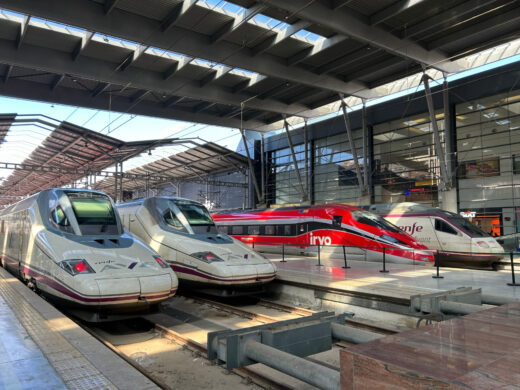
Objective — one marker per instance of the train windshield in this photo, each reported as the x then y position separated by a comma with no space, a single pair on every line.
469,227
367,218
94,213
186,216
83,213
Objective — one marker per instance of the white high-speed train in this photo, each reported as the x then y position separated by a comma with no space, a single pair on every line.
459,242
184,234
70,245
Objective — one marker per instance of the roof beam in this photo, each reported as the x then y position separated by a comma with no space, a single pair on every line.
25,89
8,73
176,67
171,101
461,10
22,31
136,28
280,36
132,57
109,6
215,74
345,23
318,47
510,18
100,88
248,83
393,10
174,16
54,61
237,21
57,80
82,44
139,96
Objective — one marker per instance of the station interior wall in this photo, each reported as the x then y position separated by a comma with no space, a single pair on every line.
403,161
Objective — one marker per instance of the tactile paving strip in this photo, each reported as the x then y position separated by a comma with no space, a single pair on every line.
75,370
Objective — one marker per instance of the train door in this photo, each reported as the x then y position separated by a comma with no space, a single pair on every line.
450,239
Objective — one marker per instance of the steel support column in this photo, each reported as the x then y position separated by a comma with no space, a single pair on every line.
444,183
296,169
352,145
365,147
262,168
448,132
306,143
251,168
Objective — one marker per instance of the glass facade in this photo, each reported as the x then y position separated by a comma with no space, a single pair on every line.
406,166
488,156
335,178
283,185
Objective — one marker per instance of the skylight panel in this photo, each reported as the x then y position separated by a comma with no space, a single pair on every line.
308,36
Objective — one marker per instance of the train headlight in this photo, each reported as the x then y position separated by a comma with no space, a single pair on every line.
207,257
161,262
76,266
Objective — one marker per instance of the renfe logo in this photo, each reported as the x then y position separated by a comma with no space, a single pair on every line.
317,240
412,229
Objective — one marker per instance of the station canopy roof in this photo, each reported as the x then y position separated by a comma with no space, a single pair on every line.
242,63
192,165
63,153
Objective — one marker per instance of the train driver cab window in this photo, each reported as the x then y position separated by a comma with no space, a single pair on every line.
442,226
336,220
94,213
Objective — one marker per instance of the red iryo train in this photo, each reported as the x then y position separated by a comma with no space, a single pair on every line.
333,227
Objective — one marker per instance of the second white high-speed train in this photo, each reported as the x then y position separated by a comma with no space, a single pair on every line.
184,234
70,246
459,242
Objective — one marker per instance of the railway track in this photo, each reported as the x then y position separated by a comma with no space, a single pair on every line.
256,374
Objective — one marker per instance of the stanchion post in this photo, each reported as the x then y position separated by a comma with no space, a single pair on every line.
384,270
283,252
437,265
319,256
345,258
253,242
511,255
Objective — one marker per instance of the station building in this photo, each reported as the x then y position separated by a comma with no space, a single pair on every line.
478,118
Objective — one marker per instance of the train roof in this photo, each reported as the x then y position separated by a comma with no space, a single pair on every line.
289,208
24,203
140,201
404,207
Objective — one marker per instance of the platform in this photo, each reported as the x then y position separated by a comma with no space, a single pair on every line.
476,351
40,348
402,280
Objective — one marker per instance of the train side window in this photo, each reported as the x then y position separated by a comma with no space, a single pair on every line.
442,226
280,230
253,230
288,230
223,229
60,220
336,220
269,230
237,230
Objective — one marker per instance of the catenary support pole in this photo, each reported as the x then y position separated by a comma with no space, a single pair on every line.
352,144
295,162
438,146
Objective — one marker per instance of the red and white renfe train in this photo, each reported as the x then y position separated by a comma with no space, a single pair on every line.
330,226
